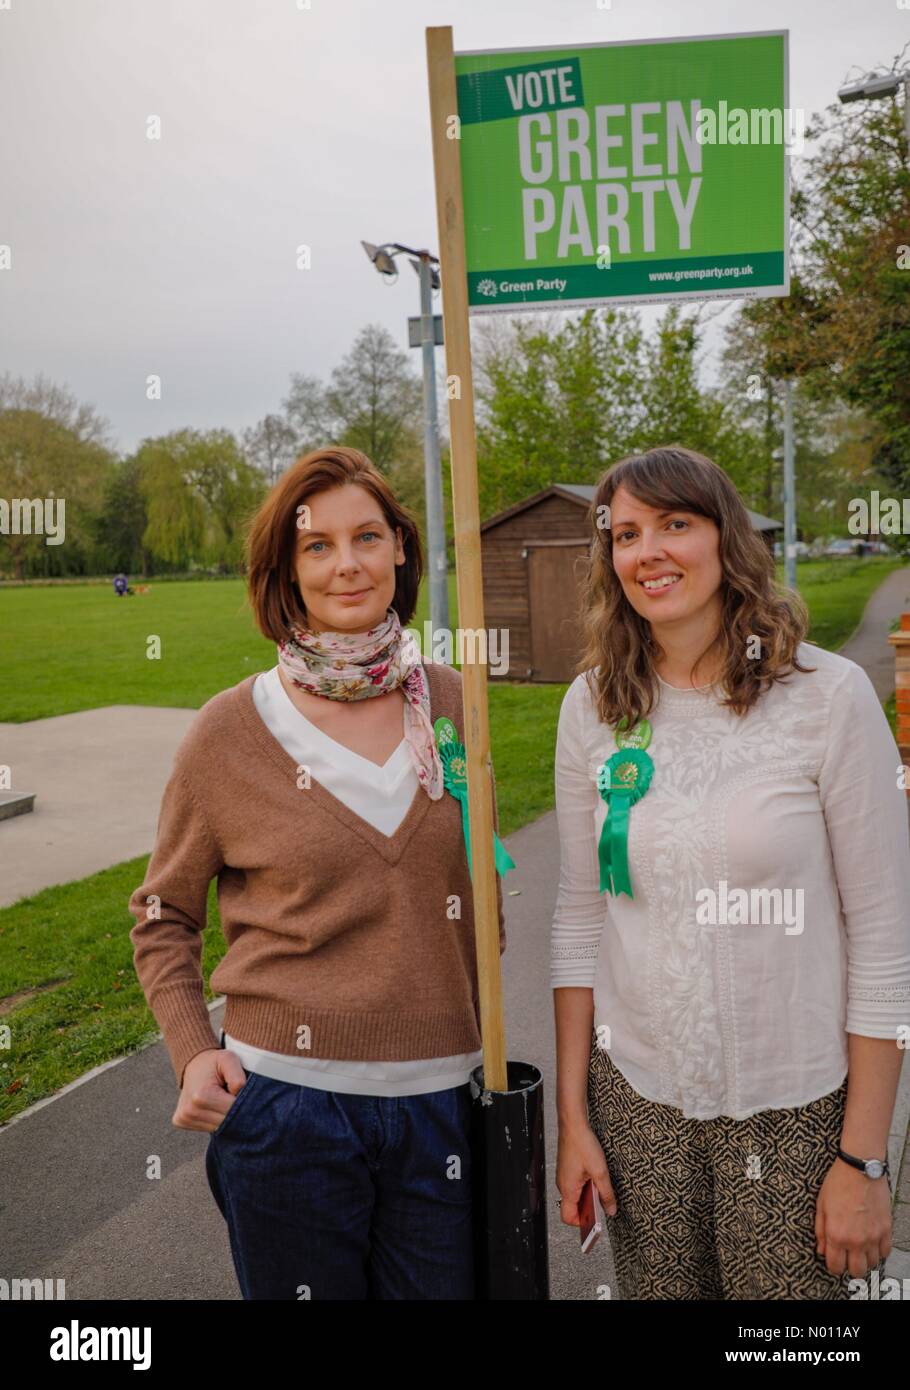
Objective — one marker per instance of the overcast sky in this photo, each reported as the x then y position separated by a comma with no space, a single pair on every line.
280,126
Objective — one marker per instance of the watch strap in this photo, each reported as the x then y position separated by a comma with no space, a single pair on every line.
860,1163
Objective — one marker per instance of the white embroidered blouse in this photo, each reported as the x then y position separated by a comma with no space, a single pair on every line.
713,1000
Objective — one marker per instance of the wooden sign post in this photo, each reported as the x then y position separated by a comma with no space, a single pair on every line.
450,215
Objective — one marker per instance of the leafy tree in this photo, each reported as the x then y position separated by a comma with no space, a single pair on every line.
676,407
42,458
556,400
198,491
852,217
55,403
306,411
271,446
120,523
559,401
844,332
373,402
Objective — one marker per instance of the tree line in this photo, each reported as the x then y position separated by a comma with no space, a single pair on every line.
559,397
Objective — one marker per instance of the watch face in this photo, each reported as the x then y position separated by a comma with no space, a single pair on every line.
875,1168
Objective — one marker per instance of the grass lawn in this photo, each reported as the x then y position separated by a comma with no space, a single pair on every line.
67,985
78,646
836,592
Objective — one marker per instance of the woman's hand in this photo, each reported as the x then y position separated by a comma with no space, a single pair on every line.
579,1157
852,1220
204,1101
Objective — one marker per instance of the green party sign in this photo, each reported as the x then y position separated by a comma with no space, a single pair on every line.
639,171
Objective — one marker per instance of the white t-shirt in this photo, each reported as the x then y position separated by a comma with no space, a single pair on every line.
696,1009
382,796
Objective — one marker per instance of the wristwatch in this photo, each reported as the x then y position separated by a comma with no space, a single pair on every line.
872,1167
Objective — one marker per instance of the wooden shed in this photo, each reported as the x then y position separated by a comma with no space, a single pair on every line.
532,580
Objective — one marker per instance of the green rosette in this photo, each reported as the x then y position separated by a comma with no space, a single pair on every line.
455,779
621,781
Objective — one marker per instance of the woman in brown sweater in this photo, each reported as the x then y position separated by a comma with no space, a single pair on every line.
338,1100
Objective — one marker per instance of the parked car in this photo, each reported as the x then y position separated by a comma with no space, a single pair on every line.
802,550
840,547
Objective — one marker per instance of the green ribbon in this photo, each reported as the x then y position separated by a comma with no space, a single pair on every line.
621,781
455,779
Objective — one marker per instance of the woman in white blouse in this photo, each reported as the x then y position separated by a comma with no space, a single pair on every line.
731,940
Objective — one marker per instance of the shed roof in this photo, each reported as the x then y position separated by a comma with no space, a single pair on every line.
583,495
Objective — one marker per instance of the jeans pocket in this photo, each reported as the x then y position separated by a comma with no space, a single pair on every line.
251,1078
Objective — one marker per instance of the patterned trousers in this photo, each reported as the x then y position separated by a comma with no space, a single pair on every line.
715,1209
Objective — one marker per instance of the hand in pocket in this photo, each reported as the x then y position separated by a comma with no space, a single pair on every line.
212,1081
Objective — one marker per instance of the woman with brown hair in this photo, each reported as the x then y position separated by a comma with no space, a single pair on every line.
338,1101
731,940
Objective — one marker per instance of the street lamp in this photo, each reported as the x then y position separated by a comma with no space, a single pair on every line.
881,85
426,267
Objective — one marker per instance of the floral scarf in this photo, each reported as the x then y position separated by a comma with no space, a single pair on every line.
361,665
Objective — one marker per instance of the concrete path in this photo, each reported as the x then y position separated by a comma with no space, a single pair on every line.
868,646
98,777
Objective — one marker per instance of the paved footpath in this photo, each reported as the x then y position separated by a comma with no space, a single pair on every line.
97,777
868,646
78,1202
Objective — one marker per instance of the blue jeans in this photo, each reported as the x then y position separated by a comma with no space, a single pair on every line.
339,1196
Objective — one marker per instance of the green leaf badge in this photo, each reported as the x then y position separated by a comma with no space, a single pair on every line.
455,779
621,781
639,737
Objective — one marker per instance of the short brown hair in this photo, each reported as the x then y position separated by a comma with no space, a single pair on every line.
272,538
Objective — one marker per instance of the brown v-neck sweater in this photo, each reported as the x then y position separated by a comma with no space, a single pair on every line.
342,941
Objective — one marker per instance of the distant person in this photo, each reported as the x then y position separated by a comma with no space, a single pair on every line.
121,585
339,1101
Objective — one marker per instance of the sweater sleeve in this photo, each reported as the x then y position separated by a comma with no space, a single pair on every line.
579,916
866,816
170,912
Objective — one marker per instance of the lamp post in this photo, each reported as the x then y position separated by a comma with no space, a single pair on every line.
383,258
787,455
789,489
881,85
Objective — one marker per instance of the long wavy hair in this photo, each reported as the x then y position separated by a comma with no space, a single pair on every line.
620,648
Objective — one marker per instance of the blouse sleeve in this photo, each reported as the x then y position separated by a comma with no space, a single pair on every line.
580,911
867,818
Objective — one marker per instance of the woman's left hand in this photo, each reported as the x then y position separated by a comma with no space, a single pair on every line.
852,1220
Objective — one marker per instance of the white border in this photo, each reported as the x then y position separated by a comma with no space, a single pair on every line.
763,292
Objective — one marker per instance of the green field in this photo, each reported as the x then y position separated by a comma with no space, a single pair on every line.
77,647
67,985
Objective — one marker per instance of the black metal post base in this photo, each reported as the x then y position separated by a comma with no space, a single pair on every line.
509,1184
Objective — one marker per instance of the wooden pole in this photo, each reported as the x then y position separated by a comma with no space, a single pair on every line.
450,215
